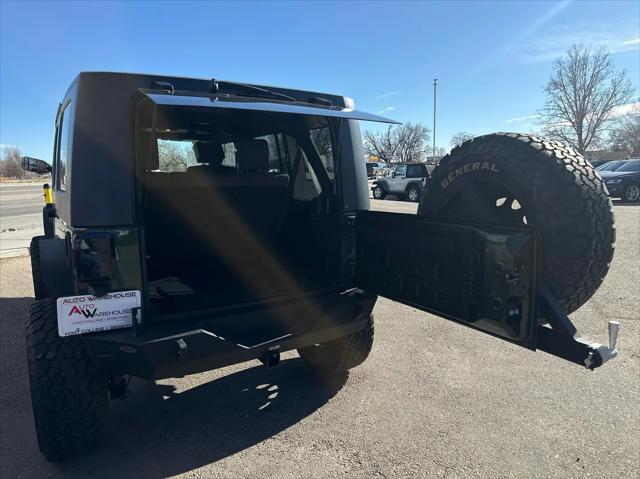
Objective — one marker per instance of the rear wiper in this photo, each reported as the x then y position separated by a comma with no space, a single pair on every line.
249,90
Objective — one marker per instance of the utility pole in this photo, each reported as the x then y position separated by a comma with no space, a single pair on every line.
435,86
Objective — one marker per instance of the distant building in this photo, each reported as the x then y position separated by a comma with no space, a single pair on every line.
600,156
433,160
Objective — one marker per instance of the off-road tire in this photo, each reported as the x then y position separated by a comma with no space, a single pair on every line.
417,193
69,394
39,286
381,193
340,354
559,192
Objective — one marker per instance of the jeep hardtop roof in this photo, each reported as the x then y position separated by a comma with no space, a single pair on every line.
97,110
125,81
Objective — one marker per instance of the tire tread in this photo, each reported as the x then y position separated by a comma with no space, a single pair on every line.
69,394
582,210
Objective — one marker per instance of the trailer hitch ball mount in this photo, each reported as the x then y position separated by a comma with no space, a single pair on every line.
561,338
605,353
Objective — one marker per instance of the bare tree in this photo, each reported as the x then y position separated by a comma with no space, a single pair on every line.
581,97
625,133
459,138
171,157
439,153
11,163
404,143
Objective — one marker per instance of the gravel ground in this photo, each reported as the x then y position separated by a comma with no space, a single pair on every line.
433,400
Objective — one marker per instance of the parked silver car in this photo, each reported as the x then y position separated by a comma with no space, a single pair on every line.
406,181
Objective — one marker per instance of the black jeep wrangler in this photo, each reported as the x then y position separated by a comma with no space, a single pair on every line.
193,224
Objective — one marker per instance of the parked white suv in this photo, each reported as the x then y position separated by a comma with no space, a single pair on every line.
407,181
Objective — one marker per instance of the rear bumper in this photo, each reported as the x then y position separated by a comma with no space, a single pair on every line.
188,346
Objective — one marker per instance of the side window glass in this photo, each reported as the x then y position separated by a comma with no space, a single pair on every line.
277,154
321,138
174,156
415,171
401,170
64,146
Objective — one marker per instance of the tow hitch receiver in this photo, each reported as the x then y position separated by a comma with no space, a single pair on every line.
561,338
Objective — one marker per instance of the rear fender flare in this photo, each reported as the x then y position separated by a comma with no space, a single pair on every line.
54,265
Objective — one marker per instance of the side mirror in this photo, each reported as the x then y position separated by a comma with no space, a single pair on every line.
35,165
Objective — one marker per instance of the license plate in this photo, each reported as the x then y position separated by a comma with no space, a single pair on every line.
88,313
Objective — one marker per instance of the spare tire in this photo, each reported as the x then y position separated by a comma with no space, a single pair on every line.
514,178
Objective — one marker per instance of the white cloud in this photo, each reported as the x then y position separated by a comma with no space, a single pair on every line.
554,42
386,109
542,42
624,109
5,145
386,95
632,41
545,18
522,119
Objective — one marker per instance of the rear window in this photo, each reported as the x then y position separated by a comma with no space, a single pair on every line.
300,147
630,166
178,155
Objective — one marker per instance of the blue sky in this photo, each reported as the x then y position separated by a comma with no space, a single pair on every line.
492,59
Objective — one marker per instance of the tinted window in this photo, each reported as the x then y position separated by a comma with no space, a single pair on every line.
277,153
178,155
630,166
65,128
415,171
321,138
611,166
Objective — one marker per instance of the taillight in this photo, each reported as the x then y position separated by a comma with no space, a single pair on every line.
93,254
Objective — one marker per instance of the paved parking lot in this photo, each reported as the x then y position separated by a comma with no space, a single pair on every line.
20,216
433,400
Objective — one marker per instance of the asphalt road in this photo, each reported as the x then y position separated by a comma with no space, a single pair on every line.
434,399
20,215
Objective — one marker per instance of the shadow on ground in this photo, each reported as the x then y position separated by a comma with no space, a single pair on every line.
157,431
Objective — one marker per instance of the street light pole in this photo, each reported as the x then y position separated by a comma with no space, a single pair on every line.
435,86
